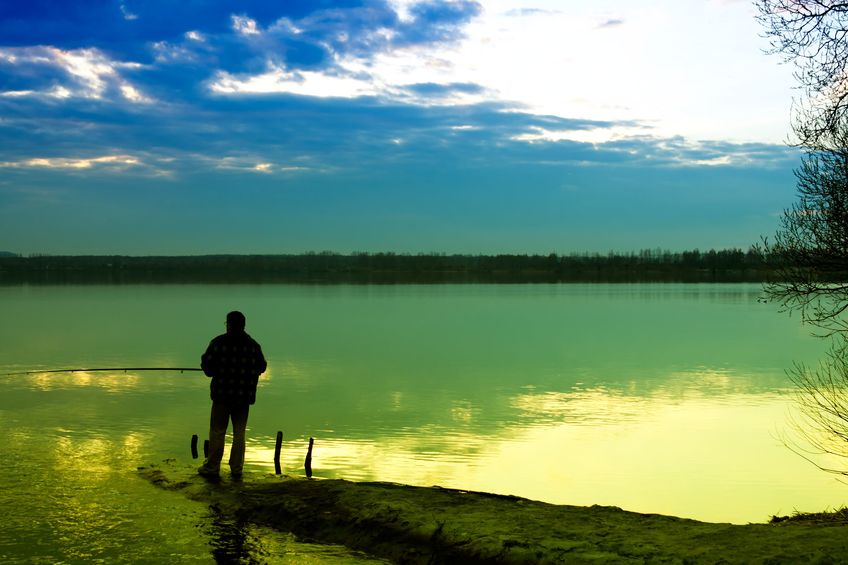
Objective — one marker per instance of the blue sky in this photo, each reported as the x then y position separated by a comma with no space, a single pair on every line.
158,127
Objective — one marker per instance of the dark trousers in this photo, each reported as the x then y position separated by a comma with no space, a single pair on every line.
222,414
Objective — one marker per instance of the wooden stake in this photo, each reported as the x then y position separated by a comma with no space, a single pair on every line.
206,448
194,446
308,463
277,468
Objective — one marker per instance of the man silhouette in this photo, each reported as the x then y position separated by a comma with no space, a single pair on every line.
234,361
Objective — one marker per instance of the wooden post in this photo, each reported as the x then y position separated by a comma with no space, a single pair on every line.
194,446
206,448
308,463
277,468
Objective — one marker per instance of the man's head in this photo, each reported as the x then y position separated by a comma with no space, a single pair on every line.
235,321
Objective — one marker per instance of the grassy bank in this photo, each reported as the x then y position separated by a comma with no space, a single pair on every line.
433,525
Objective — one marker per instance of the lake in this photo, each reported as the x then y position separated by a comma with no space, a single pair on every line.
660,398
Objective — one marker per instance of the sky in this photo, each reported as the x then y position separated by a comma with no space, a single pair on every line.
507,126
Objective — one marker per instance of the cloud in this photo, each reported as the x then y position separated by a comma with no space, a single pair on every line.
49,72
305,83
459,120
536,134
347,81
251,164
127,14
244,25
340,89
113,162
444,94
260,46
345,86
279,134
378,26
127,27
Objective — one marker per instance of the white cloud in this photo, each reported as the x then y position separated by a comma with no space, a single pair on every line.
402,9
244,25
285,26
715,161
59,92
308,83
120,161
249,163
133,95
88,66
658,62
17,93
353,78
90,73
593,135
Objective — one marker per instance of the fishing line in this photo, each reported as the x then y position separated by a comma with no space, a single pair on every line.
103,369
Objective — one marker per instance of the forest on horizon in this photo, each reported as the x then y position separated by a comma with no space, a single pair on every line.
726,265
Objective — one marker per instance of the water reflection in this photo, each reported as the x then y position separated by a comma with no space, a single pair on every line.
111,382
68,496
73,496
706,458
230,540
655,398
586,407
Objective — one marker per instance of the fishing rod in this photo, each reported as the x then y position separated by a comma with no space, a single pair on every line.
103,369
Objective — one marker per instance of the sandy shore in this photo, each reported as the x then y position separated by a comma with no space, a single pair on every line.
433,525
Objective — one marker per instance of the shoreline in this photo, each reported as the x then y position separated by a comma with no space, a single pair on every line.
408,524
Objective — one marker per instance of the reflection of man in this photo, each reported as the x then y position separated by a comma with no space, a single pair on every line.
234,361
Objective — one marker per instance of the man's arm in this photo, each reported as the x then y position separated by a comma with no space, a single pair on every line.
209,360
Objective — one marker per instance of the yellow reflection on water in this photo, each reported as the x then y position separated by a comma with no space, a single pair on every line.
462,412
83,466
82,459
710,459
703,457
579,407
266,377
111,382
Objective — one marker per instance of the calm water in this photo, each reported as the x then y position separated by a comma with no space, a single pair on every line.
655,398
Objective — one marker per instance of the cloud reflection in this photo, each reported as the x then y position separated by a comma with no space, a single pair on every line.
699,453
111,382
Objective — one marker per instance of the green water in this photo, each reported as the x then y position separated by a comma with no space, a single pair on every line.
656,398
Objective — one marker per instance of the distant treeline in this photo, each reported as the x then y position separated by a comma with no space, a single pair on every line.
726,265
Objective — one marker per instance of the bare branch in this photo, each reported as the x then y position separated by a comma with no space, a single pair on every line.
812,35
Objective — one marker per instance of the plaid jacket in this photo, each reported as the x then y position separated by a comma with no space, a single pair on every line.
234,361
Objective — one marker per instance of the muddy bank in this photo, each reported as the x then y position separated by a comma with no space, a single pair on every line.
432,525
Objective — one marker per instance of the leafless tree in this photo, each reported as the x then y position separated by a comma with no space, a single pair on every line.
813,34
811,244
822,396
810,247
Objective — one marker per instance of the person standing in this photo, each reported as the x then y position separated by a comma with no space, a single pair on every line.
234,362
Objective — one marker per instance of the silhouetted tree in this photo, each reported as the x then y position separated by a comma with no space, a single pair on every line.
811,244
813,34
810,247
822,396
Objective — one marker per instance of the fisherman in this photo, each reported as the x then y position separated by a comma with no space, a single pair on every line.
234,361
